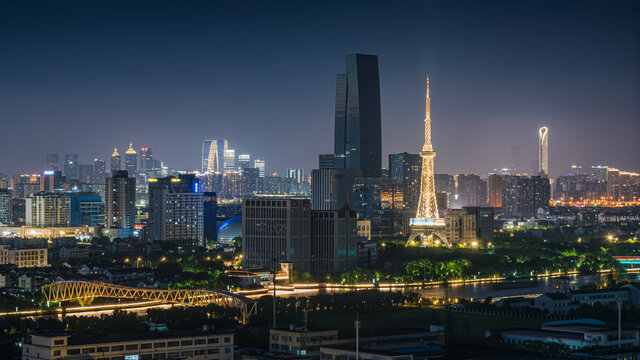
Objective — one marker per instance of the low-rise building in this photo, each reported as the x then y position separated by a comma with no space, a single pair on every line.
194,345
575,334
301,341
23,257
554,303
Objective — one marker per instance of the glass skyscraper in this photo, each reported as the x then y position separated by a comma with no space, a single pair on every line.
358,133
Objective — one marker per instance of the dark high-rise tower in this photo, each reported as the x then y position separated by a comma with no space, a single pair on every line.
120,200
53,162
358,132
71,166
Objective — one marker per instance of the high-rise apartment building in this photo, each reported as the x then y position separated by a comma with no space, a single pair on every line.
120,200
523,196
259,164
48,209
213,152
131,161
334,240
406,169
358,124
472,190
276,231
497,183
52,162
71,166
230,161
543,151
6,215
176,211
296,174
116,163
445,183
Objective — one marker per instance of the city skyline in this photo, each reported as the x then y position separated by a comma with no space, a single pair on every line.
490,98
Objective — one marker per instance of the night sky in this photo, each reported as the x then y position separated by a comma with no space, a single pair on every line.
84,77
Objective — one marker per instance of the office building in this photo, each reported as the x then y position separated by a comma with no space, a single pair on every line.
244,161
276,231
85,173
176,211
515,159
406,169
71,166
230,161
332,188
543,151
334,240
472,190
213,152
115,161
85,209
146,159
381,201
131,161
250,178
99,170
259,164
120,200
326,161
52,162
52,181
188,345
358,128
6,214
48,209
209,217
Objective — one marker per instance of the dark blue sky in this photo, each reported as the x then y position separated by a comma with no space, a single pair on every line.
83,77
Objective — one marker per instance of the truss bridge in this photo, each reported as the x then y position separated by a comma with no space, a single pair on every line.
84,291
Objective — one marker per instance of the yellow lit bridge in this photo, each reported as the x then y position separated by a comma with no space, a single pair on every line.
84,291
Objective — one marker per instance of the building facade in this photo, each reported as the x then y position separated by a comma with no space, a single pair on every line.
176,211
191,345
274,231
120,200
358,127
334,240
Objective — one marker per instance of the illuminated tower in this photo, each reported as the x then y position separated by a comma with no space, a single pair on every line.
427,227
427,206
115,161
131,161
543,151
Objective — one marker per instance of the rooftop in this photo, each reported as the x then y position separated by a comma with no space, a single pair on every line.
75,339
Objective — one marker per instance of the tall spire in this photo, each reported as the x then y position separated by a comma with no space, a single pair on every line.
427,122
